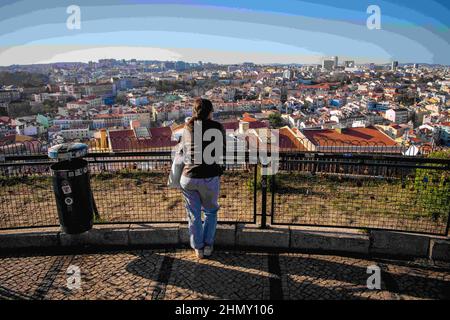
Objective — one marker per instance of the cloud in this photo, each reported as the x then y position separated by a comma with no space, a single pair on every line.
266,29
42,54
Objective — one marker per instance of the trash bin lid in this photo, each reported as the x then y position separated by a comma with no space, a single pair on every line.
67,151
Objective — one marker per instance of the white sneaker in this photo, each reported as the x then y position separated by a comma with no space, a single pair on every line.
199,253
207,250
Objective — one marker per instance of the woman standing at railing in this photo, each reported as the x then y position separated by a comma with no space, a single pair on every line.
203,144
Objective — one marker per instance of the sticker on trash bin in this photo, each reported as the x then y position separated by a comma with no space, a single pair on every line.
71,174
66,189
78,172
85,169
68,201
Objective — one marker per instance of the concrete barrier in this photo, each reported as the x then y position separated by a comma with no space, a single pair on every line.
225,235
248,235
399,243
29,238
74,240
338,240
153,234
110,235
100,235
440,249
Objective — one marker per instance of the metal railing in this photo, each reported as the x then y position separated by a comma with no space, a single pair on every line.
366,191
361,191
127,188
165,143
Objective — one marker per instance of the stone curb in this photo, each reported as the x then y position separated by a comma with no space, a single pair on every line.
440,249
400,243
249,235
29,238
338,240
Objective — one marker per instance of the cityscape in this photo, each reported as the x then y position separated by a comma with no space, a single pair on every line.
345,103
324,168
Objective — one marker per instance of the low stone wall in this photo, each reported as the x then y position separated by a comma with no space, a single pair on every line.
329,240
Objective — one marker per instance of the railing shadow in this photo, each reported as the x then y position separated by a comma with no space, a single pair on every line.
230,275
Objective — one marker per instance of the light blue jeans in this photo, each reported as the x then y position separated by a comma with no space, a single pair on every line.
201,194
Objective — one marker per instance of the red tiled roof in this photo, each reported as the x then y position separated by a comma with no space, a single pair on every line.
160,132
5,119
285,142
125,140
293,142
349,136
249,119
8,139
258,124
121,134
230,125
325,86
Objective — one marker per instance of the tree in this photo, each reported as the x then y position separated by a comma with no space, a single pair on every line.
50,106
23,79
275,120
19,109
37,108
121,99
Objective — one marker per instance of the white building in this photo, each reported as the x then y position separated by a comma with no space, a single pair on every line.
26,128
73,134
397,115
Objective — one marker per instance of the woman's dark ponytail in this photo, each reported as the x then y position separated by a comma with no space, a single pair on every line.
201,110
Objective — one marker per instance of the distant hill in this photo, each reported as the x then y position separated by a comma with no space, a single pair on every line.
23,79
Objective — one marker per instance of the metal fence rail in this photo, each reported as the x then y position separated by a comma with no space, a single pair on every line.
26,196
128,188
390,192
135,190
165,144
349,191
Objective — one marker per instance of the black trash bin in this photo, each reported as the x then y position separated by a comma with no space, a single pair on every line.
73,194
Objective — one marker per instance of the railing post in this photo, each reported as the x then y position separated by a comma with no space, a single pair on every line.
255,194
264,199
272,199
447,229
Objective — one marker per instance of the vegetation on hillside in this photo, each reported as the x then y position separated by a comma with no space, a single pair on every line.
23,79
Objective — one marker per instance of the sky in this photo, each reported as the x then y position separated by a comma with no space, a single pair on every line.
224,31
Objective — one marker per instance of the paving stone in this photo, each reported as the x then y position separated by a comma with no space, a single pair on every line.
228,274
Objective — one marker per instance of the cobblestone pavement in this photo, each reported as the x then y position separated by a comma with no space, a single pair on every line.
177,274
